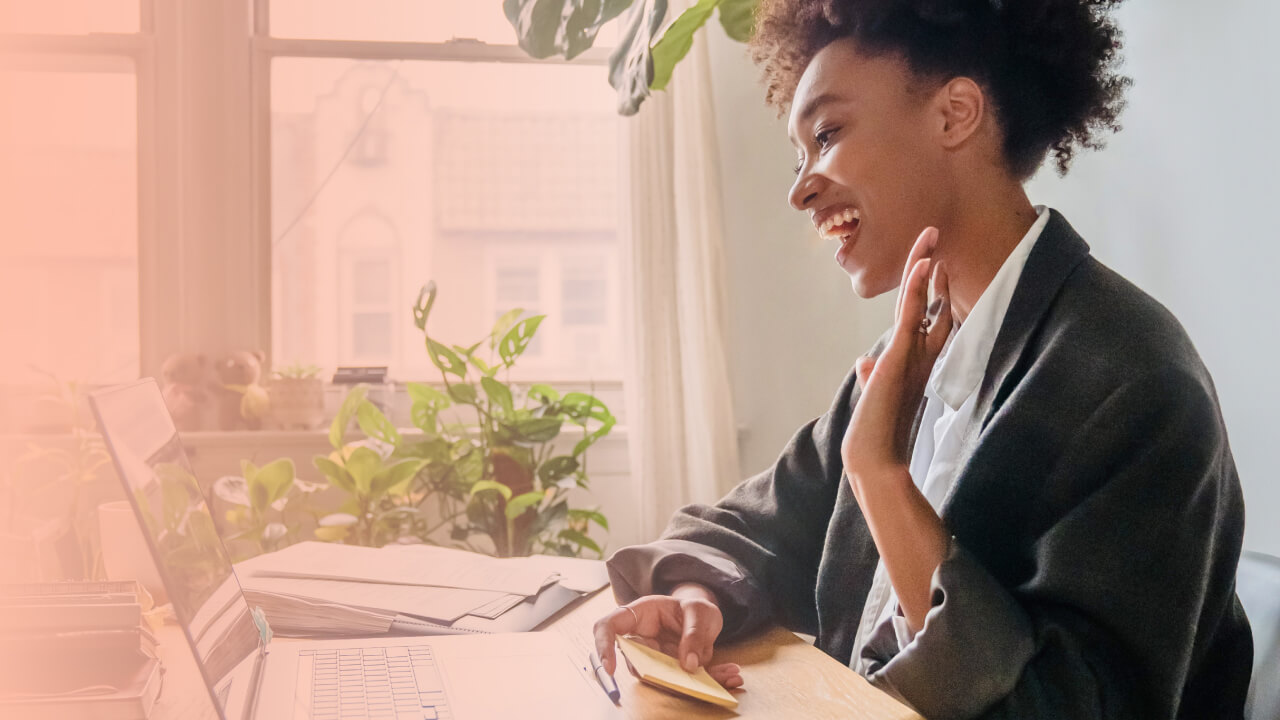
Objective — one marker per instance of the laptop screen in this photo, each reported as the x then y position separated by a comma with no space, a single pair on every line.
179,528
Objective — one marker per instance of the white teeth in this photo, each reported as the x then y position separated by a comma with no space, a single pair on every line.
847,215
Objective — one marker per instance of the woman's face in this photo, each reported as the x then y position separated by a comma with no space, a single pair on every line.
871,174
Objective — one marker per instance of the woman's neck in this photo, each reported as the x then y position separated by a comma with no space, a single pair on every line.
977,239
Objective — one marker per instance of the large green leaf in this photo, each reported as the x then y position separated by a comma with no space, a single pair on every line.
277,477
738,17
445,359
631,62
336,474
556,468
538,430
363,465
503,324
498,393
677,40
520,503
463,393
578,538
484,485
376,425
395,479
517,339
348,408
593,515
559,27
423,393
424,417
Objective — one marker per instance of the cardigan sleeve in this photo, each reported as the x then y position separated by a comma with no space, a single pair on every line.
1110,623
759,547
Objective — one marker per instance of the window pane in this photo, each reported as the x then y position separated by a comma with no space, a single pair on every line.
69,223
70,17
401,20
492,195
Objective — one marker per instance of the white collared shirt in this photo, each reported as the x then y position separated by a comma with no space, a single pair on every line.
951,393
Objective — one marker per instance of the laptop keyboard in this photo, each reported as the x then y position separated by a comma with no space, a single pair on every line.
383,683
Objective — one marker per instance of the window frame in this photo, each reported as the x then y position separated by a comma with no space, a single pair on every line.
123,53
265,48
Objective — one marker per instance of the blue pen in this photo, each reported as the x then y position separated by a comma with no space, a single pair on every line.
605,679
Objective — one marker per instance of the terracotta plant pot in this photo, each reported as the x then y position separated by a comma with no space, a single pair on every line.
297,403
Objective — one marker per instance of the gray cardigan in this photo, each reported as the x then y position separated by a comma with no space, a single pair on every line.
1097,521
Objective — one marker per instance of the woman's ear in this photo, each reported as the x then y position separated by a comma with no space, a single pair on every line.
961,107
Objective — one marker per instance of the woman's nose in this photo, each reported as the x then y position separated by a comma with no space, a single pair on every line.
803,191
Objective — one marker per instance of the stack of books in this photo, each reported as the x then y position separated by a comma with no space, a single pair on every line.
77,650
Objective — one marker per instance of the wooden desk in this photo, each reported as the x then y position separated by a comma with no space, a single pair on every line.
784,677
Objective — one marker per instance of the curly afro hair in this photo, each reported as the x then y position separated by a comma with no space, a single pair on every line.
1048,66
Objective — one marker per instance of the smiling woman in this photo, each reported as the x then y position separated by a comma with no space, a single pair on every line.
1021,503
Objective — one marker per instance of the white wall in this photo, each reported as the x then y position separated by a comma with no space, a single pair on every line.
1179,202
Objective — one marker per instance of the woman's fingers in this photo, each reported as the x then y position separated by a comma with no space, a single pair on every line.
606,630
701,625
938,313
923,248
729,675
863,368
914,296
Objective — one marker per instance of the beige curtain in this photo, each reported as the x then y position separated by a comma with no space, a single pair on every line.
683,439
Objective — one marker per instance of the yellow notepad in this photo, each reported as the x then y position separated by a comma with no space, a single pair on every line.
660,669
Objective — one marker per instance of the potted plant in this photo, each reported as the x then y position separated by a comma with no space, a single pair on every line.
495,477
297,397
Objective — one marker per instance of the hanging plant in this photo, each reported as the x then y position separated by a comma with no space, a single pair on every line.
639,64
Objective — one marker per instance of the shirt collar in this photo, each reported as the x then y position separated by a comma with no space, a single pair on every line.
964,358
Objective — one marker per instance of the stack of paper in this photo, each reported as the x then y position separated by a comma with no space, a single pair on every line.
76,649
317,588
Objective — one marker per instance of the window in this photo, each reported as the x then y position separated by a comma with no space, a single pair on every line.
71,93
410,141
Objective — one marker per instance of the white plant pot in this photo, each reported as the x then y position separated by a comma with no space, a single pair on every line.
297,403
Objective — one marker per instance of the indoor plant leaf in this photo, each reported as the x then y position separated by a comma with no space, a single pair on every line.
463,393
556,468
677,40
738,18
395,479
520,503
348,408
498,393
631,62
445,359
593,515
277,476
559,27
363,465
423,393
484,485
422,308
537,430
375,424
336,474
574,536
517,339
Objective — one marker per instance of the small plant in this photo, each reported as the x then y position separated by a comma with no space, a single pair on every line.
496,469
376,478
296,371
267,504
75,468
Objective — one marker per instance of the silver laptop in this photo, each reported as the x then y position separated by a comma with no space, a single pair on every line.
251,677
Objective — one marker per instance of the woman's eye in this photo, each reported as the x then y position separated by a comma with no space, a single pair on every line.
823,137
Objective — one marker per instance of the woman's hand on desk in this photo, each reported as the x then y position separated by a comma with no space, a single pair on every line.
684,625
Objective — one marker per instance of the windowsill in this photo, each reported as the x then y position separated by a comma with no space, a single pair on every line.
240,438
